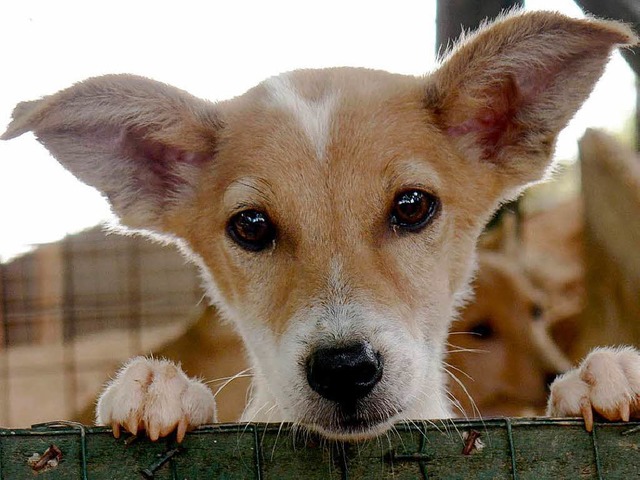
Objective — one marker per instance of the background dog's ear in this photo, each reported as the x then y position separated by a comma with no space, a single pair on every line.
138,141
504,93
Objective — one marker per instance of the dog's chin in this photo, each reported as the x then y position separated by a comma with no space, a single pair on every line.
352,426
351,433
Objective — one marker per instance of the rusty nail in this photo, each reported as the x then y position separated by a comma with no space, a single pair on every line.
51,453
470,442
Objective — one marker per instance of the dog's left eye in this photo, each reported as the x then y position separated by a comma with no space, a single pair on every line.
252,230
414,209
483,330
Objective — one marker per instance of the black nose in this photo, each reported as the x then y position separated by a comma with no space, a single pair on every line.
344,374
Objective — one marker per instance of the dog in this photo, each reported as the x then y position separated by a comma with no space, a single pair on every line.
501,349
334,215
504,337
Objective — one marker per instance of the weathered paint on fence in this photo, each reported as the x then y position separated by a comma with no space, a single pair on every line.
513,449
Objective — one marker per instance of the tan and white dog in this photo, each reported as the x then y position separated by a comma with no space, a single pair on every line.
334,216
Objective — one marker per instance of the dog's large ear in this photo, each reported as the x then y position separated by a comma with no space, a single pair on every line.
138,141
504,93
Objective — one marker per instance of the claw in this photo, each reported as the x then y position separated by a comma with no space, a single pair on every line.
625,411
182,429
131,424
153,431
587,414
160,400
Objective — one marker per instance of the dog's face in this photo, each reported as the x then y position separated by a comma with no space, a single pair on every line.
334,213
318,223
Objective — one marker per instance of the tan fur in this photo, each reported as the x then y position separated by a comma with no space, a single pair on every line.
473,133
555,263
498,361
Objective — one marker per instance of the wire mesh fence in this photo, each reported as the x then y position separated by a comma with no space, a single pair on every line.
491,449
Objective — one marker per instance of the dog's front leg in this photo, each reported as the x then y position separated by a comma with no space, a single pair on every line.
155,396
607,382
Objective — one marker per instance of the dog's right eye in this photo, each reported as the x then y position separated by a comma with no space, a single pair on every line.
252,230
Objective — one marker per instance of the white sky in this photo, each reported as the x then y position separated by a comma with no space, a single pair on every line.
215,50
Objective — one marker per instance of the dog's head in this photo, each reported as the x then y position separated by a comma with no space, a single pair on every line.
334,213
501,348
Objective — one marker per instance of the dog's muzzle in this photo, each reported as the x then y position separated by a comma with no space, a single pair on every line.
344,374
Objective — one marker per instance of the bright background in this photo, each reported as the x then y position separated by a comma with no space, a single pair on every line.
213,49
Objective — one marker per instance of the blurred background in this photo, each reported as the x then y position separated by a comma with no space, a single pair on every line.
558,273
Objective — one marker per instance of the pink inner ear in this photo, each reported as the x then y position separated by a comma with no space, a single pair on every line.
159,164
495,123
491,127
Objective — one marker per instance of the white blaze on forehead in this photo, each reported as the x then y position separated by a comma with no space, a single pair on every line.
314,116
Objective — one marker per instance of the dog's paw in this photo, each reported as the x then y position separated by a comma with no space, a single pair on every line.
155,396
607,382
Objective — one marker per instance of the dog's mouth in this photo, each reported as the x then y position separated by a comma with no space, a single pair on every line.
353,422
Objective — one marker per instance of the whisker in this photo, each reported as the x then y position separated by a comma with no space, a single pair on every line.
462,372
457,405
275,442
429,396
240,374
466,333
467,350
229,380
457,348
474,407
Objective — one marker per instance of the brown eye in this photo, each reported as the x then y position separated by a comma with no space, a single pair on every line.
414,210
252,230
483,330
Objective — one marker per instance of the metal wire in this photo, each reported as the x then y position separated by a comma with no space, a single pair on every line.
229,432
83,440
512,451
256,444
596,452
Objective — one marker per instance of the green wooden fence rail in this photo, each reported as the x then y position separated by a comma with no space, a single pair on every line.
490,449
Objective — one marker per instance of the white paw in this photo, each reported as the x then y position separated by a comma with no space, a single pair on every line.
155,396
607,381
